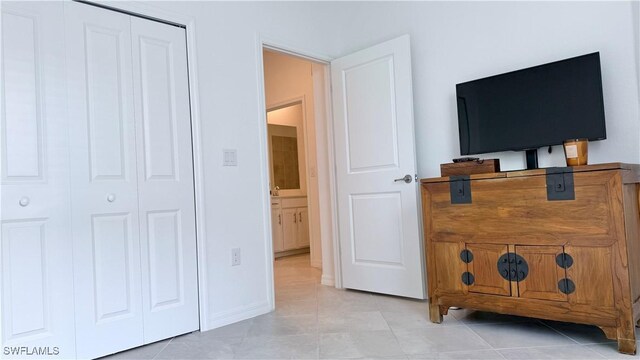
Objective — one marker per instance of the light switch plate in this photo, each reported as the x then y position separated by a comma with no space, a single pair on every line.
229,157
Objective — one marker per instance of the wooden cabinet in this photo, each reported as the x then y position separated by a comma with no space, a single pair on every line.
559,244
290,225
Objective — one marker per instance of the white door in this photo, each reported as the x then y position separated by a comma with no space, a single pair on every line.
380,247
165,180
36,273
104,181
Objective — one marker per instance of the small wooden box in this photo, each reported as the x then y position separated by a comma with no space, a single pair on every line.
470,167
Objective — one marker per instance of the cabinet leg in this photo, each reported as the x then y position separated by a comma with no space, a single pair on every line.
627,346
627,339
434,312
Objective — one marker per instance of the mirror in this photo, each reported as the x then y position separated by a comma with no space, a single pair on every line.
286,149
284,157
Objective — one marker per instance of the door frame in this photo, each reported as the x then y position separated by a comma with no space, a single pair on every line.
189,24
267,42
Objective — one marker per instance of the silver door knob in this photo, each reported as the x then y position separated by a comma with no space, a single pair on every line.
407,178
111,197
24,201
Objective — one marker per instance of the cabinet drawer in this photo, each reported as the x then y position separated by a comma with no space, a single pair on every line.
517,208
294,202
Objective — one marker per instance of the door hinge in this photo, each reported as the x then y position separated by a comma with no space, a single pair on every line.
460,189
560,183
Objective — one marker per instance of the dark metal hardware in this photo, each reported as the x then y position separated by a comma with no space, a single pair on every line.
513,267
560,184
466,256
460,189
467,278
566,286
564,260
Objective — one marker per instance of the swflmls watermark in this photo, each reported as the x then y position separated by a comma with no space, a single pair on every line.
31,350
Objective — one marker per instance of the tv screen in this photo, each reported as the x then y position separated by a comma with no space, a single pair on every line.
531,108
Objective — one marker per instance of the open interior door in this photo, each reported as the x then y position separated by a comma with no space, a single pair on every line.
379,232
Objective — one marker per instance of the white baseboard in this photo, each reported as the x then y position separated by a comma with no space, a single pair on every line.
238,314
327,280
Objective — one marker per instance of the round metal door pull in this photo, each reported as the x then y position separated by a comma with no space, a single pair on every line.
111,198
24,201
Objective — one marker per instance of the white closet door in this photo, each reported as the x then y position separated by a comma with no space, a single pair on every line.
165,180
36,302
104,181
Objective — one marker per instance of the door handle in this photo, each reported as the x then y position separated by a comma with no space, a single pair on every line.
407,179
279,219
295,219
24,201
300,217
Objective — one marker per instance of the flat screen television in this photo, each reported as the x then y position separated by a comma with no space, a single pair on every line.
532,108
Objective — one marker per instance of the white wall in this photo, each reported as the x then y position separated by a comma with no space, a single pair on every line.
451,42
636,32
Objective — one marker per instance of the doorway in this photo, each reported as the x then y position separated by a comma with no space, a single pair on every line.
291,106
373,196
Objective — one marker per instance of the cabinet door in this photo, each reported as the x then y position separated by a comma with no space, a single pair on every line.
484,268
543,275
36,275
289,228
276,230
303,227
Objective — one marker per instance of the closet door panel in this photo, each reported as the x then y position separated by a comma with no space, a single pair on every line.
165,180
36,287
104,181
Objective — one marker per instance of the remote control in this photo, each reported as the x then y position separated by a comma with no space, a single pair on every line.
465,159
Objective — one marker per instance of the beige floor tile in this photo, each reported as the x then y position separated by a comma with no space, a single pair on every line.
439,339
570,352
273,325
582,334
140,353
520,335
352,322
312,321
359,345
279,347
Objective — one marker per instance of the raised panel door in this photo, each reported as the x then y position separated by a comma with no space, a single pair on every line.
289,228
379,235
276,230
36,275
104,181
303,227
543,274
164,180
484,268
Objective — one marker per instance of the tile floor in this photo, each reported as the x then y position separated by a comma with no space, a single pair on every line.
312,321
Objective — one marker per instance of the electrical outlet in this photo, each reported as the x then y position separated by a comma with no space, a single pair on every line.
235,256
